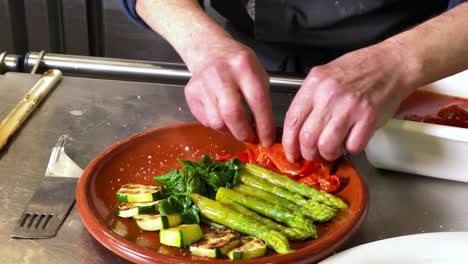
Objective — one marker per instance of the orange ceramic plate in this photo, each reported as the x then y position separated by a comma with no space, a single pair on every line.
138,158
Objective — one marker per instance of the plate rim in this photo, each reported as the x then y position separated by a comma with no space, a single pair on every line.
369,245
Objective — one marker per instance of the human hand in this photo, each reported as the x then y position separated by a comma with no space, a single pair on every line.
342,103
223,74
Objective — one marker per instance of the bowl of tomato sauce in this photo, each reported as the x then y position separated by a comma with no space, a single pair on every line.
429,133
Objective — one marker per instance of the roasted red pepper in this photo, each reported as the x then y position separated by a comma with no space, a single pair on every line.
313,173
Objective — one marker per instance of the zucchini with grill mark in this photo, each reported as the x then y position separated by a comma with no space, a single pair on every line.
157,222
216,243
251,247
127,210
136,193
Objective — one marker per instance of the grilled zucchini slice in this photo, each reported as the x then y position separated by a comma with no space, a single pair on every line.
127,210
137,193
181,236
216,243
250,247
157,222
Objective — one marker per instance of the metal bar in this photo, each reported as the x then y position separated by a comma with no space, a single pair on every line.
135,70
10,62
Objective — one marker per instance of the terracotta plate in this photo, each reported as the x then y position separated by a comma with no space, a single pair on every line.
138,158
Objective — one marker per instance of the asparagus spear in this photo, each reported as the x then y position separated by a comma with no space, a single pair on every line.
276,212
296,187
223,214
291,233
320,215
314,207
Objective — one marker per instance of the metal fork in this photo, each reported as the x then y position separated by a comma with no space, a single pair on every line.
52,202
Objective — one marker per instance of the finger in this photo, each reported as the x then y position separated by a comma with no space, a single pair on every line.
298,112
331,141
255,90
233,113
310,133
212,113
195,104
360,135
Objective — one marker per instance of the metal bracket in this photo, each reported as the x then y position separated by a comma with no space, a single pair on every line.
38,62
2,58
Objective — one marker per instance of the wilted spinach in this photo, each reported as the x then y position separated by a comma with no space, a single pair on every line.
203,177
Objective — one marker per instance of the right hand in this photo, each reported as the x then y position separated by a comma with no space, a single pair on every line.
224,73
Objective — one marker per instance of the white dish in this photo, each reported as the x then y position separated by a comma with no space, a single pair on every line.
428,248
421,148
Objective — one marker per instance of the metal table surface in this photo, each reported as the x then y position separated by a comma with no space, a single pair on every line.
97,113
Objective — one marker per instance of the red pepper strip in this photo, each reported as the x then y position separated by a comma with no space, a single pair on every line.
308,168
277,156
330,183
311,180
243,157
224,157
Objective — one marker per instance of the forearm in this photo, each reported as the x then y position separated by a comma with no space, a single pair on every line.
183,23
435,49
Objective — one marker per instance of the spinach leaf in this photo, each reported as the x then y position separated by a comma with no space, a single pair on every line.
179,204
204,177
182,182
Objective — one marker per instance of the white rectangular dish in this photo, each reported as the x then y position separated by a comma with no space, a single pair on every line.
421,148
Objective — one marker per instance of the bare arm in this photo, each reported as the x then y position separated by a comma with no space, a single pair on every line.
183,23
223,71
342,103
437,48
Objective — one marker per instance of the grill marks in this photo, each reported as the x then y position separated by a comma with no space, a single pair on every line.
138,189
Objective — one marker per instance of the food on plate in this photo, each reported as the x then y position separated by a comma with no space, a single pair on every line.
181,236
138,193
215,244
429,107
270,210
221,213
245,208
295,187
150,222
314,173
251,247
315,209
320,213
291,233
127,210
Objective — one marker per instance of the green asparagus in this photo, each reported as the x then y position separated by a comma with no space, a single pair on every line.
316,215
315,208
291,233
276,212
223,214
296,187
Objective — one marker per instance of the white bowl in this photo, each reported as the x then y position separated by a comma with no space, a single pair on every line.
421,148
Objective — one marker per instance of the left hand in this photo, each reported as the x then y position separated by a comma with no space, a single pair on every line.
342,103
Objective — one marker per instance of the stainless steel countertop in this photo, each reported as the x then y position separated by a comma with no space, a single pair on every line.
97,113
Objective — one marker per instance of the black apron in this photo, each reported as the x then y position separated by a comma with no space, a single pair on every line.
336,24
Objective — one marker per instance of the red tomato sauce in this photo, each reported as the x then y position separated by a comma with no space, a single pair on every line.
428,107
